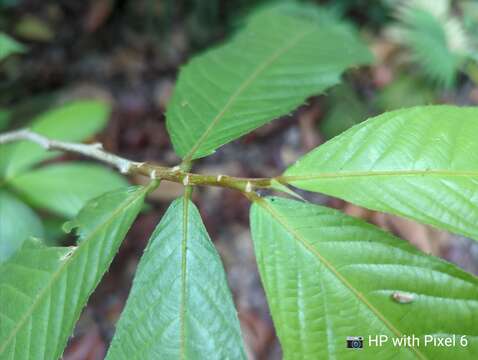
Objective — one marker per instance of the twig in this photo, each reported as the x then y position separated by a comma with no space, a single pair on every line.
94,151
125,166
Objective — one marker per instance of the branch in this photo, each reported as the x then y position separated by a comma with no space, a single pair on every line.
94,151
125,166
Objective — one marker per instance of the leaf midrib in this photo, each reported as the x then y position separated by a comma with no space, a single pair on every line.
379,173
262,66
183,304
57,273
275,214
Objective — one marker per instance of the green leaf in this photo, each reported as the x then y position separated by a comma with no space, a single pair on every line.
328,276
420,163
406,91
180,305
8,3
43,289
34,28
65,188
4,118
346,110
53,229
264,72
75,121
9,46
17,223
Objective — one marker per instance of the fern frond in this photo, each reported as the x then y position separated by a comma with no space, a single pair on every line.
437,39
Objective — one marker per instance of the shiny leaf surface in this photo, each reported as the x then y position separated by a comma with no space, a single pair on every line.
420,163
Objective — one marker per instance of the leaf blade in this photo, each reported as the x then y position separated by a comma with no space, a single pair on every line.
418,163
272,48
44,288
65,188
17,223
9,46
179,318
74,121
321,269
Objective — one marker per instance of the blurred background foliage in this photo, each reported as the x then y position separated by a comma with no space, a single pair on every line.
122,56
432,41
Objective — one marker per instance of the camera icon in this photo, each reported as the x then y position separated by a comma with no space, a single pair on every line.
354,342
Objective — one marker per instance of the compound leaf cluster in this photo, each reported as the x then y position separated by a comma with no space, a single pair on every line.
326,275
